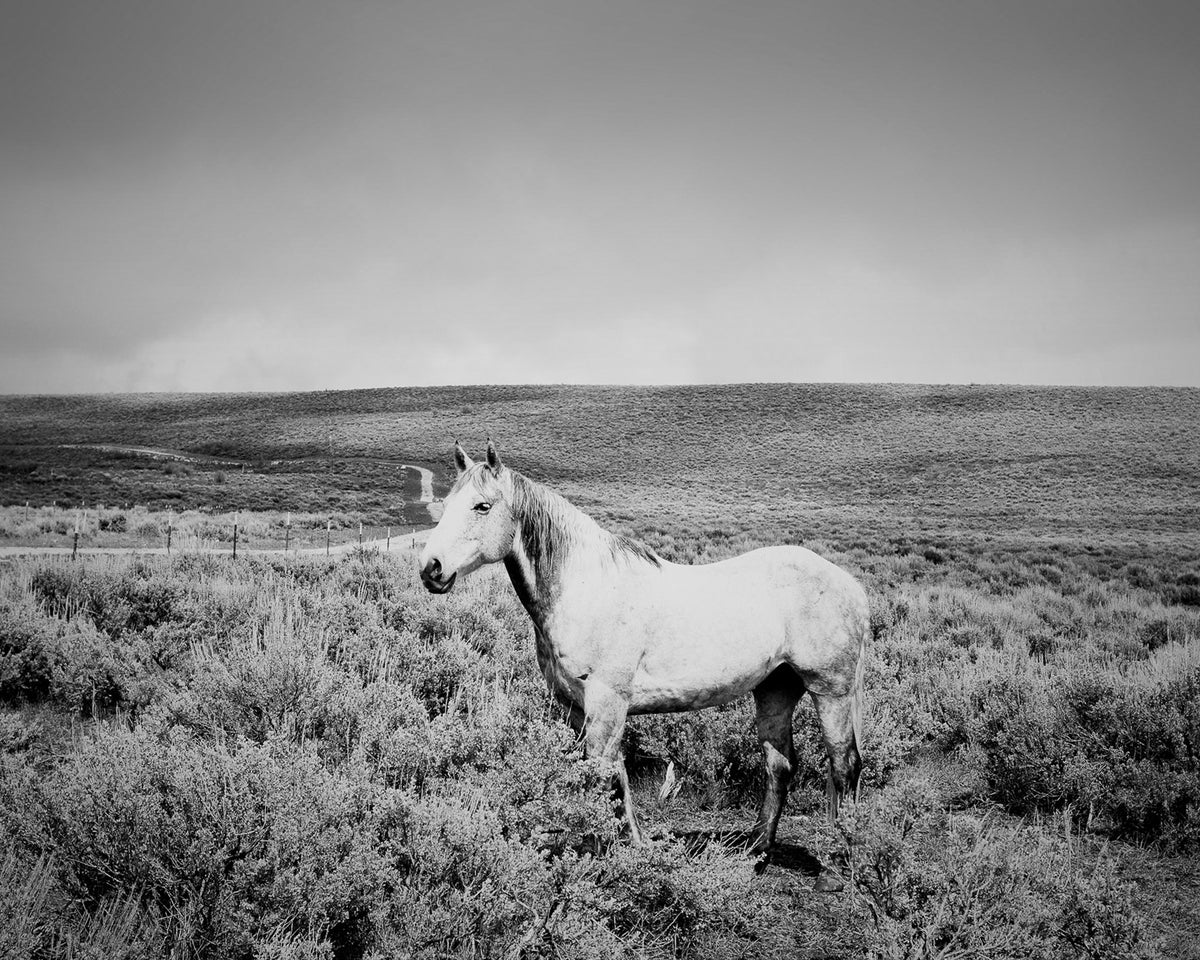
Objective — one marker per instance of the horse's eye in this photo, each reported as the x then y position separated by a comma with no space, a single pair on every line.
483,507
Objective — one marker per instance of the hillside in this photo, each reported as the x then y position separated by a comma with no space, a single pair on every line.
882,465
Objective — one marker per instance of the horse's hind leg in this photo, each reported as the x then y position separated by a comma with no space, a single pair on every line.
775,700
837,715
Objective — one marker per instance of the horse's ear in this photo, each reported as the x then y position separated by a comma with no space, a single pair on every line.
493,458
462,463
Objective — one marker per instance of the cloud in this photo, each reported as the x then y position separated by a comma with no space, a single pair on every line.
232,196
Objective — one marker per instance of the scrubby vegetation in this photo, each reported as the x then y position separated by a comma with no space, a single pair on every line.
310,758
289,757
295,759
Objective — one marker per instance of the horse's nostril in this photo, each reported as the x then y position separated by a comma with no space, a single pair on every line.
433,569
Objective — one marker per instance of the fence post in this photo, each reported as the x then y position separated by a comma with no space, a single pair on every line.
328,527
235,526
75,542
287,532
389,540
359,534
170,523
26,511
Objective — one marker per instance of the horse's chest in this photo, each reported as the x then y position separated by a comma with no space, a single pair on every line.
567,658
564,674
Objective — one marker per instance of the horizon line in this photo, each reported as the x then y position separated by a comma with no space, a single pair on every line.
609,385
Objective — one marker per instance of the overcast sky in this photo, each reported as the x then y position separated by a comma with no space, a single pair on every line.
291,195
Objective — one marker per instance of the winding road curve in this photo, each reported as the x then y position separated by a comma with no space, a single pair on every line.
162,453
426,481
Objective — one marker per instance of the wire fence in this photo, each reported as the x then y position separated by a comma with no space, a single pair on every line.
26,529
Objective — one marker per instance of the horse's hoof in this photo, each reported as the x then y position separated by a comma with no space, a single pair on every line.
756,845
759,851
829,882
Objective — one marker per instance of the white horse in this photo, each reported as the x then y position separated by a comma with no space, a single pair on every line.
621,631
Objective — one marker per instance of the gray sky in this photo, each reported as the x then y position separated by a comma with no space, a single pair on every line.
290,195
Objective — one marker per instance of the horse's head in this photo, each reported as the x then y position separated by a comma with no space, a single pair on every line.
477,524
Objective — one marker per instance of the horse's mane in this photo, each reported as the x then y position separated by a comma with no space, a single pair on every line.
551,526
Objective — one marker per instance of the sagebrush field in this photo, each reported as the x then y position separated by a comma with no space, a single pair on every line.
294,757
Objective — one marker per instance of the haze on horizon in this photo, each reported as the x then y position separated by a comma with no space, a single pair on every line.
281,194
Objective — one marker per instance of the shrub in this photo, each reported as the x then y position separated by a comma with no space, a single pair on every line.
26,656
113,522
1116,749
667,899
226,843
26,914
1184,595
716,753
936,885
116,602
149,530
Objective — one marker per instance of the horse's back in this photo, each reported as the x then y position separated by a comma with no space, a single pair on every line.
799,581
714,631
824,607
787,557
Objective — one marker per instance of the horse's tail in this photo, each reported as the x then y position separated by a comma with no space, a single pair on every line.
857,694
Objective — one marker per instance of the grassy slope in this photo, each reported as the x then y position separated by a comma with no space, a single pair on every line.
960,465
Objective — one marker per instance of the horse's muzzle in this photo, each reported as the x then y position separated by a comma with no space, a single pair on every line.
434,579
439,586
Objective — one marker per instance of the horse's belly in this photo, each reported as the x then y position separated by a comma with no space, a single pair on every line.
712,637
662,694
703,668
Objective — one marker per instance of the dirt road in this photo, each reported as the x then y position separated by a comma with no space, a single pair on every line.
162,453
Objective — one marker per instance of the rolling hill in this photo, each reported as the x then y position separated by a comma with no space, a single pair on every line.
883,466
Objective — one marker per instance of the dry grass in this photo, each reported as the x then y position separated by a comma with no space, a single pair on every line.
353,765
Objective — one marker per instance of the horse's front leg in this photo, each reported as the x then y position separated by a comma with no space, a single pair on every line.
604,725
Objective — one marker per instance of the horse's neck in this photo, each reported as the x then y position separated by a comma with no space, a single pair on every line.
550,531
537,602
